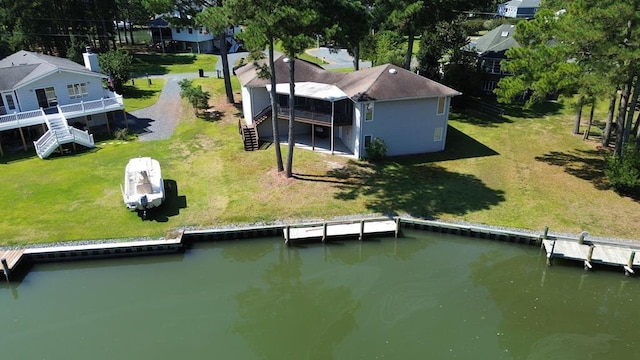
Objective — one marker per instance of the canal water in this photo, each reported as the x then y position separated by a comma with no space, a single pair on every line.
422,296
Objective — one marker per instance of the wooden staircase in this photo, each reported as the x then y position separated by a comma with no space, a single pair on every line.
250,138
250,132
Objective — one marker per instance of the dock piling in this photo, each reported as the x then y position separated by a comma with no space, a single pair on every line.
361,230
582,236
587,261
397,227
5,268
324,232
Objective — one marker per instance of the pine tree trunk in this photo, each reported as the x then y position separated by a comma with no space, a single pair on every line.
274,109
586,132
292,117
356,57
225,68
632,108
409,55
576,123
622,111
606,136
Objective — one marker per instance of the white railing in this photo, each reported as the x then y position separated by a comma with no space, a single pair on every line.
92,106
82,137
20,119
46,144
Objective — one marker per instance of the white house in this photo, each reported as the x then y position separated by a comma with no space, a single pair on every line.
407,111
519,8
42,96
197,40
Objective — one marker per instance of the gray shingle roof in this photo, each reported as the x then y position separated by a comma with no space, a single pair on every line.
384,82
495,42
25,66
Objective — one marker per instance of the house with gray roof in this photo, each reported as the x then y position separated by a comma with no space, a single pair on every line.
42,96
519,8
407,111
490,51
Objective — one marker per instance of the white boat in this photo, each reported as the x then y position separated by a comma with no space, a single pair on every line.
143,185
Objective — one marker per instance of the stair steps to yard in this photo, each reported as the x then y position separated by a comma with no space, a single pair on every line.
60,133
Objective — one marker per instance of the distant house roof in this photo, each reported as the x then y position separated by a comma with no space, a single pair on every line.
384,82
494,43
519,8
158,21
24,67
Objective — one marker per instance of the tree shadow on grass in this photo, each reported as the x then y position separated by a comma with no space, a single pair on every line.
157,64
133,92
473,117
584,164
536,111
418,189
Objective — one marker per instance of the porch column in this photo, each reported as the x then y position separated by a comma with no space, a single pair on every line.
333,109
313,137
1,152
126,123
108,127
24,143
86,121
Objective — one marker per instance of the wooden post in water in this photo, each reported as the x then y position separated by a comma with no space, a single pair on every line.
5,268
628,270
550,254
587,262
397,226
361,230
324,232
287,231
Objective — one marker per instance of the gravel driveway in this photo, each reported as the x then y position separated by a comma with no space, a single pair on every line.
159,121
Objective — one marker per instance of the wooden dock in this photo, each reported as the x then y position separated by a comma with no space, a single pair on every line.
10,260
593,253
331,230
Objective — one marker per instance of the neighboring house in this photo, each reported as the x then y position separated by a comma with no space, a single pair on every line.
407,111
519,8
197,40
490,50
42,96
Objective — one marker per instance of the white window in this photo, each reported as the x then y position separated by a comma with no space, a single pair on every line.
367,140
178,30
368,111
437,134
11,105
77,90
442,101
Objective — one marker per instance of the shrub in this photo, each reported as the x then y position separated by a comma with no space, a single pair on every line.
122,134
376,150
623,171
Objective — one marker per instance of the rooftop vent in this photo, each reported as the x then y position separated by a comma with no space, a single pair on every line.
393,71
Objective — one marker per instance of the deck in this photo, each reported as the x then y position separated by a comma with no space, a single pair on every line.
327,231
590,254
12,258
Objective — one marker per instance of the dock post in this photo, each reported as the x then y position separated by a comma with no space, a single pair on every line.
287,230
546,232
550,253
5,268
587,262
581,238
397,226
361,230
628,270
324,232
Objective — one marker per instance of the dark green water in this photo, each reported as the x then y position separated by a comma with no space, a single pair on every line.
424,296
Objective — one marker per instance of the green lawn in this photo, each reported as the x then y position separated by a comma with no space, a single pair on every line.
162,64
526,171
139,93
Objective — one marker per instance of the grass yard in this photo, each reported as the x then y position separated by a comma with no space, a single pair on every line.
140,94
526,171
162,64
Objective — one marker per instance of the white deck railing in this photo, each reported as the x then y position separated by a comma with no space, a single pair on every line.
35,117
